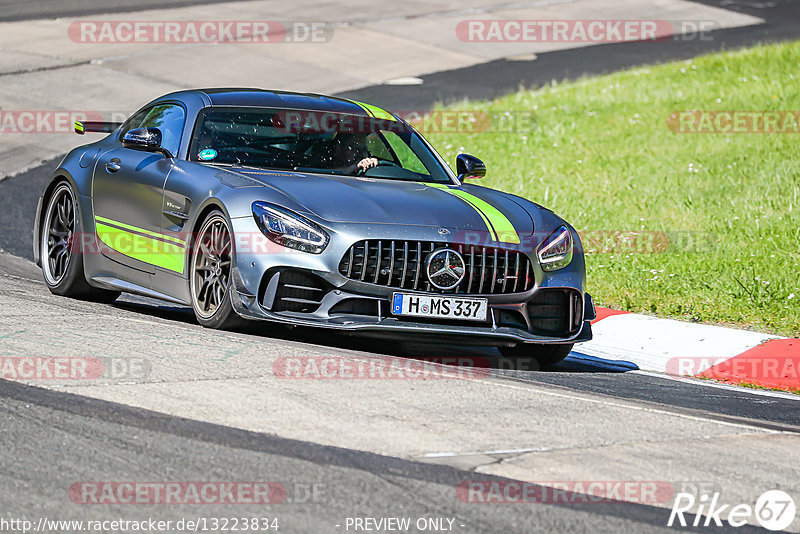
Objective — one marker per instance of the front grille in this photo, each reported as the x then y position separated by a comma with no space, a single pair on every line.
401,265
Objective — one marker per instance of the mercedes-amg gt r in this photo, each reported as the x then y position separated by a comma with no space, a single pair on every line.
308,210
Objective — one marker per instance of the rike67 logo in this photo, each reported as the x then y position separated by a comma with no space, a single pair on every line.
774,510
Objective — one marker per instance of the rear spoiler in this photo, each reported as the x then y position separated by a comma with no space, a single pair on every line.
81,127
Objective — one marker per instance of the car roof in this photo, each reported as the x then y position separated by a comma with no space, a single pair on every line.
250,97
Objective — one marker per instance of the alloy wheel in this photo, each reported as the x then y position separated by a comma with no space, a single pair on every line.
59,231
211,266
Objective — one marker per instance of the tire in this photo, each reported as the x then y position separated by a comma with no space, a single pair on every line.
61,255
212,260
544,354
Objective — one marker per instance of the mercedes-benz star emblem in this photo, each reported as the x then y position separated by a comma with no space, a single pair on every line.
445,268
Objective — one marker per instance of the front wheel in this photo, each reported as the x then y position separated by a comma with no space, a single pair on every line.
544,354
210,275
60,252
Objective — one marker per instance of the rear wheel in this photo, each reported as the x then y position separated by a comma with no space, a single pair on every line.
212,263
544,354
60,252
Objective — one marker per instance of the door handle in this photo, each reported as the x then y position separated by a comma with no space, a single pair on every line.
113,165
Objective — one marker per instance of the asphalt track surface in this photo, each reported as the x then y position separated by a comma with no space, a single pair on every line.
13,10
117,442
135,444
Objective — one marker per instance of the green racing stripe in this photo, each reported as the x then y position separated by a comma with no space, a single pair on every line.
375,111
149,247
500,228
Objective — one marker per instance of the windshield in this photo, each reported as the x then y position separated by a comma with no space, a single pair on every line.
313,141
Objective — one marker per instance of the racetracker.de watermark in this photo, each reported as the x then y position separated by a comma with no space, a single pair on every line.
45,368
198,32
734,122
38,121
456,121
756,369
176,493
461,121
151,246
564,492
379,368
646,241
582,31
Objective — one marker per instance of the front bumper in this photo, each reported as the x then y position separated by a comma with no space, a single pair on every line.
248,306
253,294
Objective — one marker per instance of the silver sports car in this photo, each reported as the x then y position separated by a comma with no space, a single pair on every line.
308,210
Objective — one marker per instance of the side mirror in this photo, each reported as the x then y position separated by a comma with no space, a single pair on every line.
469,167
147,139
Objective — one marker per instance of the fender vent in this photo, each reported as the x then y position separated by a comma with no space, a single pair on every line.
299,291
556,312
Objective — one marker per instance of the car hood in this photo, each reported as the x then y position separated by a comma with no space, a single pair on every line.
347,199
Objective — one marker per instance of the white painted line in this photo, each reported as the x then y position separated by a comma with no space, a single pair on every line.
522,57
404,80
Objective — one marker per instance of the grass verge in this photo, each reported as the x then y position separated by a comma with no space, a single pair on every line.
602,156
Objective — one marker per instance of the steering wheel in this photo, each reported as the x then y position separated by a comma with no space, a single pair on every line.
381,163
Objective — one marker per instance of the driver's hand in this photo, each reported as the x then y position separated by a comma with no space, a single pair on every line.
367,163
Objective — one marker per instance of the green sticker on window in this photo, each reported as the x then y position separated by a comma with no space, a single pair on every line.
207,154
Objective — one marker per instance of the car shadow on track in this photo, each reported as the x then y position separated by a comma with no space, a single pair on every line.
449,354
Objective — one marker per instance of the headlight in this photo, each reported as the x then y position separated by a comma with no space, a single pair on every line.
289,229
556,251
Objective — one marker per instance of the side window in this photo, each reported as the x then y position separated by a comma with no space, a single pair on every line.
134,122
168,118
377,148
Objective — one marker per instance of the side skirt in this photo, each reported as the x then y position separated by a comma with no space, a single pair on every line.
127,287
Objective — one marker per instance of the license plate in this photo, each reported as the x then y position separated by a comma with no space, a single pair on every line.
440,307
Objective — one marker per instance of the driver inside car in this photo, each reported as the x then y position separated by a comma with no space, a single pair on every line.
349,154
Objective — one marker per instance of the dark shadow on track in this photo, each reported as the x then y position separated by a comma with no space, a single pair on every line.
482,357
133,304
577,362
